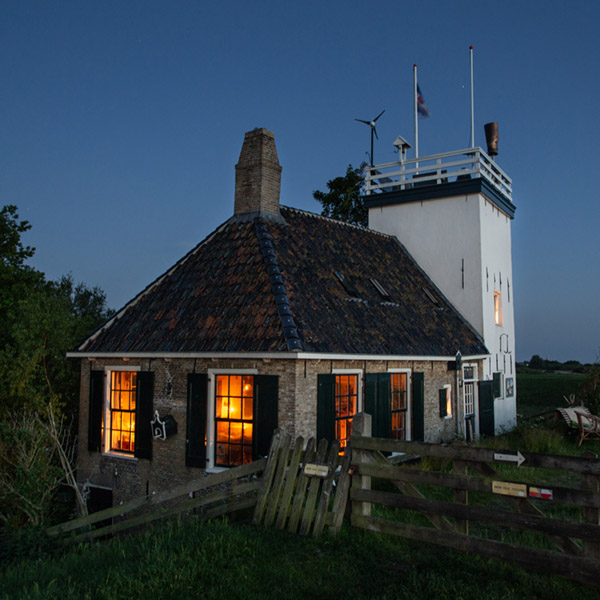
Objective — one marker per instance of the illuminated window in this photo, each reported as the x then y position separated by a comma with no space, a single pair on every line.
446,402
497,308
121,413
398,405
346,406
234,419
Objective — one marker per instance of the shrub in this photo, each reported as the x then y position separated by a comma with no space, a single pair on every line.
29,474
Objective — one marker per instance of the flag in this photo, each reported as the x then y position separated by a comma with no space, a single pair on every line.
422,108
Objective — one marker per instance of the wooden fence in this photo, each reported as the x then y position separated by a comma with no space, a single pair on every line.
479,491
211,496
299,489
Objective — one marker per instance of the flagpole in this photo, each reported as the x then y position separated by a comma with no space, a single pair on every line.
472,102
416,116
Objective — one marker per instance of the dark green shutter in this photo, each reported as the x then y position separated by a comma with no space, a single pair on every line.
326,407
377,403
266,407
96,408
486,407
144,414
418,407
497,385
197,414
443,403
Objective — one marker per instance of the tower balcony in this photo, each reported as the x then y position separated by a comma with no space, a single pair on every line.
456,172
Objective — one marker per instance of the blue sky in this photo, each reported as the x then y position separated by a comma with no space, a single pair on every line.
121,123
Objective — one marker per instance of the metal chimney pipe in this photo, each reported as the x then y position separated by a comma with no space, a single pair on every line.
491,138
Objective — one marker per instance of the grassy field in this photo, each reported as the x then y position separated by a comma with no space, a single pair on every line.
193,559
538,392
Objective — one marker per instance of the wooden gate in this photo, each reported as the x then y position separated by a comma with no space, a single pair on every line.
303,489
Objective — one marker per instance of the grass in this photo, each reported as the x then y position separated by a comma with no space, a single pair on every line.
192,559
539,392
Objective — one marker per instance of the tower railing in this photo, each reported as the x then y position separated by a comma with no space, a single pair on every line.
471,163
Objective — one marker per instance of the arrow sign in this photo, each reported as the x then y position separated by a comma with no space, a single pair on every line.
517,458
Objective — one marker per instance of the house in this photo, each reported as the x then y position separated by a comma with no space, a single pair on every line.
279,318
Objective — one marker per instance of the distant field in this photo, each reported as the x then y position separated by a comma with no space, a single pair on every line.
537,392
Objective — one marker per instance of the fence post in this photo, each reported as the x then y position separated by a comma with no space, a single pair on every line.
361,426
461,496
589,514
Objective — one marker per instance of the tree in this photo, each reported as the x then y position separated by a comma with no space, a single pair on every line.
41,321
343,200
12,252
39,387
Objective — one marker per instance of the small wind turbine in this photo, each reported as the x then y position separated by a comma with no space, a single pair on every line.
371,124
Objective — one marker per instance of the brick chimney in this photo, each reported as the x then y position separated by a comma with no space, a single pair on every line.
258,175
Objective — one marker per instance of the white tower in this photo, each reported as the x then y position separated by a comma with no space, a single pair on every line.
453,213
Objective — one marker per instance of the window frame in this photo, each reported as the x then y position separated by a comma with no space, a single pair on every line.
408,417
474,382
211,466
359,384
106,410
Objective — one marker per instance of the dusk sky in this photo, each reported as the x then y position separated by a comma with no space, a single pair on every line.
121,123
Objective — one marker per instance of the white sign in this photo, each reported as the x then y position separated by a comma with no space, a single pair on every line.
516,458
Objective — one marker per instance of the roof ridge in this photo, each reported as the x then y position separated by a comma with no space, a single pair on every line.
278,288
338,222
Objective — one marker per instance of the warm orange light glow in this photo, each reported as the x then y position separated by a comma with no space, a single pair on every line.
233,414
123,392
448,402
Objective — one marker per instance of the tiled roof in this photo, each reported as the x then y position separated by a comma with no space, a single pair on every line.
268,286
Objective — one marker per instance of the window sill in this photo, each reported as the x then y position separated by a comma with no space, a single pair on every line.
214,470
119,455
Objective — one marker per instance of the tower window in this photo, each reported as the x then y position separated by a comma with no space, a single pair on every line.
498,308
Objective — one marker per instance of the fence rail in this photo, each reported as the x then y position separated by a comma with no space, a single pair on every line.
478,494
214,495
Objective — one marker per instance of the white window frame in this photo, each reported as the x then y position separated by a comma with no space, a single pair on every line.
106,410
210,418
448,386
474,380
408,424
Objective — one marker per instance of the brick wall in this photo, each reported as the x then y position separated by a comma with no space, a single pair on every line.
258,174
130,477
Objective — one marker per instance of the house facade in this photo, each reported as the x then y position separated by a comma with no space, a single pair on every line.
279,318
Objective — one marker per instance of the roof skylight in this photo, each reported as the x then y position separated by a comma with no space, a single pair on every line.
384,293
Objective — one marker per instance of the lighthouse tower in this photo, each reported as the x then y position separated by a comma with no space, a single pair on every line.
453,213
